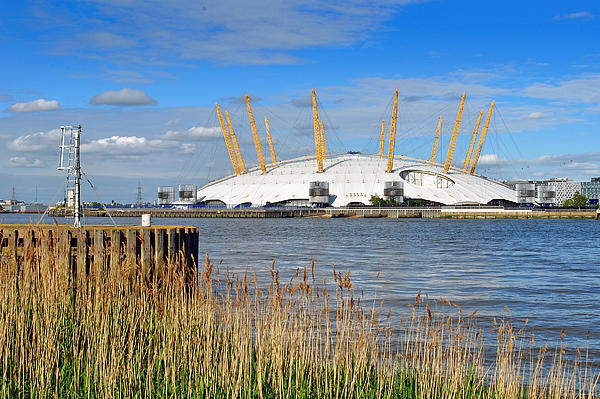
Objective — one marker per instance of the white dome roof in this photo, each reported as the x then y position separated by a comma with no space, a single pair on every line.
354,178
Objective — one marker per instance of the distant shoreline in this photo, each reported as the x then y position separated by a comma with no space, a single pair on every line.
366,212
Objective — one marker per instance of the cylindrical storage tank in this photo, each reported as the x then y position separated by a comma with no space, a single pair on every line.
166,195
393,190
187,193
546,194
525,193
318,192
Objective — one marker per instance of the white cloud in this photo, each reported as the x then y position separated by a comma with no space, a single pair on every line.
22,162
35,106
126,145
585,89
576,15
227,31
41,141
123,97
194,133
493,160
187,148
534,115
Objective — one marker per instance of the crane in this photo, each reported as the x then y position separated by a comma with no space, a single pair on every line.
382,140
236,147
228,143
454,135
323,145
481,140
390,162
273,157
472,144
261,158
318,143
435,142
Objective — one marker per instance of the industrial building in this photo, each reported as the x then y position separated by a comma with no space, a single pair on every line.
351,179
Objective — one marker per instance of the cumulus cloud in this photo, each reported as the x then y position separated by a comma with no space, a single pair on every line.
22,162
40,141
575,15
194,133
123,97
35,106
493,160
126,145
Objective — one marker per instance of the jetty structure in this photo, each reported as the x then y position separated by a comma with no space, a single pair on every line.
323,179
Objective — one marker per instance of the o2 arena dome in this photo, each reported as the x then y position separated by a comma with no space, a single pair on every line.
352,178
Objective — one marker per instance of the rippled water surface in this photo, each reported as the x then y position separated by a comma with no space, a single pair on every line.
546,271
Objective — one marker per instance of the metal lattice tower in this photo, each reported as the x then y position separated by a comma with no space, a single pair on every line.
70,160
140,199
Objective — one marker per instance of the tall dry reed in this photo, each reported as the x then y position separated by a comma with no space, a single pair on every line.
224,336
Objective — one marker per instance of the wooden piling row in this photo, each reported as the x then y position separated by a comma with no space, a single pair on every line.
103,251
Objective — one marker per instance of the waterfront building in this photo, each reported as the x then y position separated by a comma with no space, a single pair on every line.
591,189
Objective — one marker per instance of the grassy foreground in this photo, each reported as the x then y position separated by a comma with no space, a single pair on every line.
225,337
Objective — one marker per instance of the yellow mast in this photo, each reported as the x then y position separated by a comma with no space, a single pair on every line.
228,143
390,162
481,140
317,134
382,140
435,142
323,145
472,144
236,147
273,157
454,136
261,158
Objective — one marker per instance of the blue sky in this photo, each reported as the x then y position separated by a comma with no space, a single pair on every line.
142,77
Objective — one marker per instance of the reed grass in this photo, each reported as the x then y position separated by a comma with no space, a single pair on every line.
225,336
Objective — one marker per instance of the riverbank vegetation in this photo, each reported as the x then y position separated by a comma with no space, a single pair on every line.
226,336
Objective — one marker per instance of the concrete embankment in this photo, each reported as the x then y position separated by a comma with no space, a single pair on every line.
366,212
458,213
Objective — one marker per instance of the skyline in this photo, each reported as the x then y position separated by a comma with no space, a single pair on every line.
142,78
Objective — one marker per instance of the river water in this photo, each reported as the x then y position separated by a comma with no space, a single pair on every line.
543,271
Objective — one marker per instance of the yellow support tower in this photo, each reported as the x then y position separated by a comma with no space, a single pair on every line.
236,147
465,168
261,158
382,140
273,157
323,145
454,136
228,143
390,162
481,140
317,134
435,142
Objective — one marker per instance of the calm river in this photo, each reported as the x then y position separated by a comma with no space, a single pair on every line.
545,271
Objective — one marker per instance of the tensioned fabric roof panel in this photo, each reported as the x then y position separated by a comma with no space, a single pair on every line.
354,178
